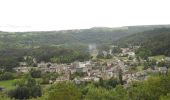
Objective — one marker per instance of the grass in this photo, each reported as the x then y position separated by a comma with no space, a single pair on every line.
158,58
140,68
123,58
8,84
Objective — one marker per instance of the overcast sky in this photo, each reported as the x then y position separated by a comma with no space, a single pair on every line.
41,15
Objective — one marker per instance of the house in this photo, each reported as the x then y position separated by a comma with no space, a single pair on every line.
82,69
96,79
125,50
65,77
76,81
23,69
163,70
83,66
167,59
131,54
96,73
72,70
104,53
22,64
43,65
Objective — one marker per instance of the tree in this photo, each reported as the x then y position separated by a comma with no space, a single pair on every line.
20,93
63,91
6,76
108,56
8,63
3,96
116,50
26,89
143,53
166,97
120,93
100,55
120,76
35,73
146,65
161,64
99,93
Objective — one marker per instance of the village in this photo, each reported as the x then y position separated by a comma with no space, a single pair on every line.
121,64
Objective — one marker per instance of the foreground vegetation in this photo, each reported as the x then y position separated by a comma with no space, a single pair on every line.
157,87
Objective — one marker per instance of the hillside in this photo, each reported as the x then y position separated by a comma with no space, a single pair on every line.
156,40
98,35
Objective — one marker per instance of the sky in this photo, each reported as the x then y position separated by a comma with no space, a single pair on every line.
46,15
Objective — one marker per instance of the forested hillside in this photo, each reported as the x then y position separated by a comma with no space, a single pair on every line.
156,40
99,35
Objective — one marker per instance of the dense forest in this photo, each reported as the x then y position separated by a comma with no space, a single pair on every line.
99,35
156,40
10,57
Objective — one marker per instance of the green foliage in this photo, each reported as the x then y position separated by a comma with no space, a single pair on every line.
8,63
166,97
26,88
103,47
4,96
35,73
6,76
116,50
49,76
100,55
108,84
95,93
57,38
156,41
20,93
77,74
151,89
63,91
59,54
143,53
149,64
108,56
10,58
161,64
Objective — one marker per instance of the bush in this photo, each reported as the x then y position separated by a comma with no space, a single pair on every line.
26,89
6,76
35,73
20,93
63,91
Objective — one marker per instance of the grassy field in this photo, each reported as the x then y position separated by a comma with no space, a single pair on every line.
158,58
123,58
140,68
8,84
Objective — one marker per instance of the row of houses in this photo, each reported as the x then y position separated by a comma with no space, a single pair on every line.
94,70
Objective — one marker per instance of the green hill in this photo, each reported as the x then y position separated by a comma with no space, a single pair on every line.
156,40
98,35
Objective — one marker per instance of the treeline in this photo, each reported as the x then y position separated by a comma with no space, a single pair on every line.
46,38
59,55
10,58
159,44
98,35
157,87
